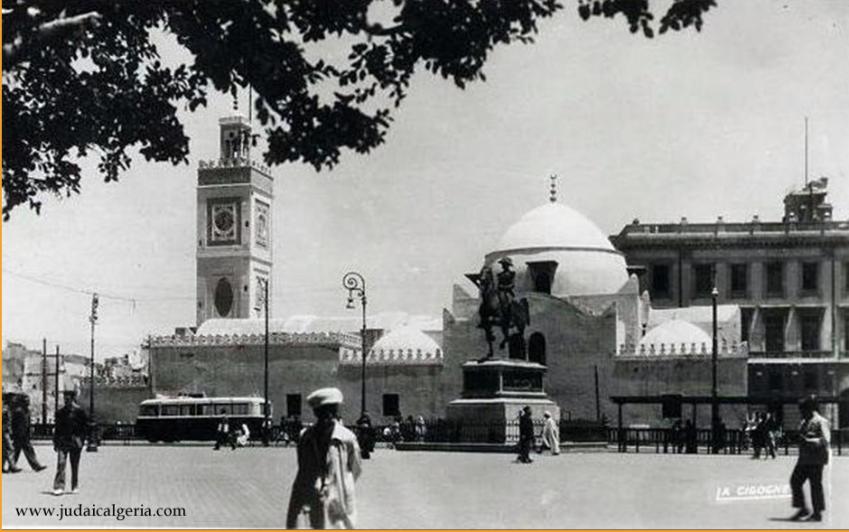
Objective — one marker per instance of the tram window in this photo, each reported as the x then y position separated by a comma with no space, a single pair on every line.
147,410
222,409
206,410
170,410
186,410
240,409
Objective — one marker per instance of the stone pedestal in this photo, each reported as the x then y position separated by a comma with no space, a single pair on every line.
494,392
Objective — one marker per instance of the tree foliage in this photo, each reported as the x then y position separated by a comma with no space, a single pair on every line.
85,76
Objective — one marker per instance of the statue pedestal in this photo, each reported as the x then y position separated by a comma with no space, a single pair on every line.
494,392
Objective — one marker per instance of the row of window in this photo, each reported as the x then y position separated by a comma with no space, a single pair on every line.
774,322
235,409
703,276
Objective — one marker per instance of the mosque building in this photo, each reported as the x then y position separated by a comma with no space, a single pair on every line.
588,324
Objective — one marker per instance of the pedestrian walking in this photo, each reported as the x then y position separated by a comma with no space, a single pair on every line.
814,452
365,436
550,434
328,467
691,437
222,433
68,439
526,435
22,434
8,448
421,429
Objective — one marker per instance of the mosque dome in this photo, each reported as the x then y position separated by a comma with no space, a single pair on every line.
676,332
405,344
555,249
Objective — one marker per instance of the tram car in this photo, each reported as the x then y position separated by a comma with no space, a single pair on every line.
196,418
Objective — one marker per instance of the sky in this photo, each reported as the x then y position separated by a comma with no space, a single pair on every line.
688,124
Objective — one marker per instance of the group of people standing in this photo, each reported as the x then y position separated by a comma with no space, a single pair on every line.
550,435
763,430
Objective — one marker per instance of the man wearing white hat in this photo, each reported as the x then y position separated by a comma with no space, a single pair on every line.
328,466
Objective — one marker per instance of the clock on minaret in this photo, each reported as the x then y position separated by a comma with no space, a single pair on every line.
234,251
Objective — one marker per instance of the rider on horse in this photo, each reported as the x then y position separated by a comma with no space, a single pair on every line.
506,283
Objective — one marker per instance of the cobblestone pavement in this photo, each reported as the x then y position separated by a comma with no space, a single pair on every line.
250,487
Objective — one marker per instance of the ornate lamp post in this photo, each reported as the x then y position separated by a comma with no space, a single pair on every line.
356,286
92,439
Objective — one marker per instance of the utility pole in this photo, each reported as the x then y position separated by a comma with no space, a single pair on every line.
92,439
597,402
43,381
266,426
56,378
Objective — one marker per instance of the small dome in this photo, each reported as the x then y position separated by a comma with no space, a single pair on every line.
676,332
404,340
554,225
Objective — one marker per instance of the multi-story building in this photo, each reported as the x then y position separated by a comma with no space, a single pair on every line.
789,277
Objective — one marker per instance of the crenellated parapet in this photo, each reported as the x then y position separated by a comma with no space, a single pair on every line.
233,162
390,357
328,339
130,381
649,350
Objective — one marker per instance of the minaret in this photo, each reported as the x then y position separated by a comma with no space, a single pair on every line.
234,249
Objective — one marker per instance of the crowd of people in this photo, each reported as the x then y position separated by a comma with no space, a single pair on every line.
329,454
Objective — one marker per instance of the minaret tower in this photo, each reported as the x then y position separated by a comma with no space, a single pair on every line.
234,204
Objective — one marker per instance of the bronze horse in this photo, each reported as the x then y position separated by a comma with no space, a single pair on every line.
500,309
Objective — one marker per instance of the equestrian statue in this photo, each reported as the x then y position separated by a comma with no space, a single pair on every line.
499,306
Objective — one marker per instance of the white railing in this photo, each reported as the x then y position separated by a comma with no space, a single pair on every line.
676,349
391,357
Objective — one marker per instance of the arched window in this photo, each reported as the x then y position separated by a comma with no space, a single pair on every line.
536,348
223,297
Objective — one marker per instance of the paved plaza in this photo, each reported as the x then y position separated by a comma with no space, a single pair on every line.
250,488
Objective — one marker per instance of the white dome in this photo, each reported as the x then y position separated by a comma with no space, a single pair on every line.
586,262
676,332
405,341
554,225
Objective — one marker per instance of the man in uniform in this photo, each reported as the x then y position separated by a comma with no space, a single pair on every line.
328,466
814,451
21,434
68,440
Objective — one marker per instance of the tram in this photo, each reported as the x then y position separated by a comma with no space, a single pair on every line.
196,418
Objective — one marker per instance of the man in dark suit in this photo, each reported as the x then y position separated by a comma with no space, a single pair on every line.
68,440
526,435
21,434
814,452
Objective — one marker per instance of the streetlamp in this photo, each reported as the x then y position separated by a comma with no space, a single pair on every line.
356,286
92,439
714,399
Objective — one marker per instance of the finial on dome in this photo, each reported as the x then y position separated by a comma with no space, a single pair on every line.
553,195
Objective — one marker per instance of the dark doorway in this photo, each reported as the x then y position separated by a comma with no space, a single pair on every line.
843,408
536,348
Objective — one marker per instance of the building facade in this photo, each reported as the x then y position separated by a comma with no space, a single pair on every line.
790,279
